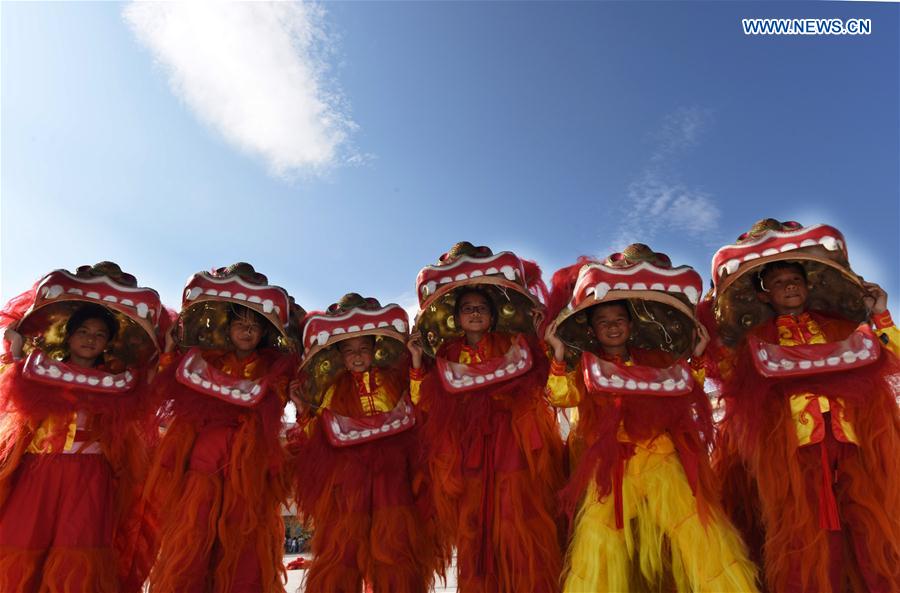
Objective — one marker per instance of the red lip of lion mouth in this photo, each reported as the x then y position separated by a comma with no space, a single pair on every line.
459,377
40,367
195,373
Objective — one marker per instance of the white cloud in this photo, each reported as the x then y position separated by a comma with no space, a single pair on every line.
654,204
256,72
681,130
657,200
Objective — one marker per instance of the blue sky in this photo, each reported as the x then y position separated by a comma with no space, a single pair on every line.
341,147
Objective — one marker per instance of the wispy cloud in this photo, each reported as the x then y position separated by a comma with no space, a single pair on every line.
658,200
256,72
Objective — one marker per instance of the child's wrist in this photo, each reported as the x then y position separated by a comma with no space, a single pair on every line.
882,320
557,367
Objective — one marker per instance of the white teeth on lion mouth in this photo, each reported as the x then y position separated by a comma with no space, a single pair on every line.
600,290
828,242
777,360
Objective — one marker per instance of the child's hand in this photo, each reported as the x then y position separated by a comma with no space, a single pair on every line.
294,392
414,345
552,340
170,339
875,299
701,337
537,317
16,341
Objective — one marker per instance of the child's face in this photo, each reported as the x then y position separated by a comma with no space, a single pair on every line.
785,291
474,313
89,340
245,333
611,325
357,354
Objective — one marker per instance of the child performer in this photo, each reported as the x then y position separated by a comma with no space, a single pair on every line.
356,461
810,415
493,446
648,514
76,426
218,473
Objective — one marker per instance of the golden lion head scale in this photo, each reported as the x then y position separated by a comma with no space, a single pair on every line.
661,299
820,249
60,293
351,317
501,275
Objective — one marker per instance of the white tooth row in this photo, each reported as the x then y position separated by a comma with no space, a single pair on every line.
233,393
509,272
600,289
268,305
52,292
846,358
322,336
632,385
355,435
468,380
54,372
828,242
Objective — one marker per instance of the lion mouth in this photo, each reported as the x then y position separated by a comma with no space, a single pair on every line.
860,348
603,376
197,374
40,367
459,377
343,431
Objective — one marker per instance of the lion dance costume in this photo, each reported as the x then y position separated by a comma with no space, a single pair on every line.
219,472
492,442
648,516
811,435
356,461
74,441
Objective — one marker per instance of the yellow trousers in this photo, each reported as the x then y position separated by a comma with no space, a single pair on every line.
664,544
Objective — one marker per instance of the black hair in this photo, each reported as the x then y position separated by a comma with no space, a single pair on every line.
484,294
620,303
237,311
92,311
370,337
770,267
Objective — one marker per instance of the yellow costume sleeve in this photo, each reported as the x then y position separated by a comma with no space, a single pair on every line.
326,400
563,389
415,383
887,332
699,374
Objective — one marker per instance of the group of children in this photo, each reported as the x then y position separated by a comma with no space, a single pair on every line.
142,445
